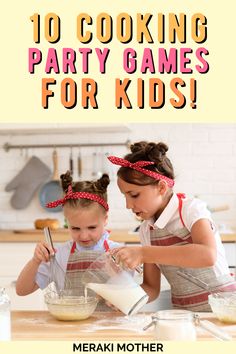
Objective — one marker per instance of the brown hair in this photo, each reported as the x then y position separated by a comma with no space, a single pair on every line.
98,187
144,151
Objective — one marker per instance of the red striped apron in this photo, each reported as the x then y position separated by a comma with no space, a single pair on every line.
77,264
183,293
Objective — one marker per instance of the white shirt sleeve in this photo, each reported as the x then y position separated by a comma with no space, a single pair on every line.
194,210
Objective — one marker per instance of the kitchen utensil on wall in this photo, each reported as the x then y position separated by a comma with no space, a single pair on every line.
100,168
108,167
94,165
79,165
24,154
71,167
105,162
27,181
51,190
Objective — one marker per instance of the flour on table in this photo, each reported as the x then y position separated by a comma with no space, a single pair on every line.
127,323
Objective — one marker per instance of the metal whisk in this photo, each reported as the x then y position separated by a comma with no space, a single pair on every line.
56,271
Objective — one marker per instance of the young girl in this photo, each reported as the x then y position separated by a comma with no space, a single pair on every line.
85,208
177,234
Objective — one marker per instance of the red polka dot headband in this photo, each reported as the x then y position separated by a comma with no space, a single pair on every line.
78,195
138,166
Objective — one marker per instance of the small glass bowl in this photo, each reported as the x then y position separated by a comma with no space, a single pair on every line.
223,305
70,308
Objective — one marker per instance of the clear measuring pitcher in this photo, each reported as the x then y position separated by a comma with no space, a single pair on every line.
115,285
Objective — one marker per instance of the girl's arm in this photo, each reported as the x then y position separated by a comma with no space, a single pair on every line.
151,281
25,283
198,254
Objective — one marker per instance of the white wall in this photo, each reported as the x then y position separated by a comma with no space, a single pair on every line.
204,157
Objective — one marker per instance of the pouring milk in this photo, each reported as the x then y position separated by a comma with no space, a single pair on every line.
122,292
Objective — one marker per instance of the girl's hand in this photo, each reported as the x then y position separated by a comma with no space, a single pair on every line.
42,252
130,257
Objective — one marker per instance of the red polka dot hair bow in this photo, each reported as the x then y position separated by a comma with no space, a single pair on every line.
78,195
138,166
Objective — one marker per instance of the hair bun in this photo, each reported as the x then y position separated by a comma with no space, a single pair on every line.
156,152
163,148
66,180
139,147
149,147
147,151
102,183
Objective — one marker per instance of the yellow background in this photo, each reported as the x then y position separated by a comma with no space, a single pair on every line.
21,92
67,347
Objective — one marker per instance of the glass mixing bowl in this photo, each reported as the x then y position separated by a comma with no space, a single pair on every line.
70,308
223,305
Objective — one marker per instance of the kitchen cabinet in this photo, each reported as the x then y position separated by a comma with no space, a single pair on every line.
13,257
33,301
230,251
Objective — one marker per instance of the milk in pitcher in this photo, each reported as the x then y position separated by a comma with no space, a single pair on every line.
129,300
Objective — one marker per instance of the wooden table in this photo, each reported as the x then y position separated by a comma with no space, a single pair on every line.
112,326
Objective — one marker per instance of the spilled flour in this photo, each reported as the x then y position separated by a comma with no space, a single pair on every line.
31,321
39,321
126,323
100,322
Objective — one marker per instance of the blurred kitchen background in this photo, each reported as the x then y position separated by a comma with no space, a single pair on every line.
203,155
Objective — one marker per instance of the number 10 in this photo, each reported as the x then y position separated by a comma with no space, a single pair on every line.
51,27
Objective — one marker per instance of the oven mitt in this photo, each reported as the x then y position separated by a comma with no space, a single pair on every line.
27,182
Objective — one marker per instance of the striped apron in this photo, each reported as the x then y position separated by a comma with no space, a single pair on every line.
78,263
184,294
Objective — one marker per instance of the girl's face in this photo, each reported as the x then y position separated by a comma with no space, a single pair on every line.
86,225
144,201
